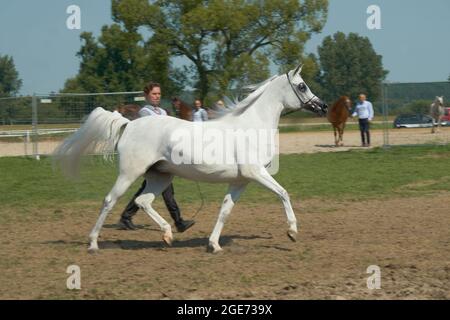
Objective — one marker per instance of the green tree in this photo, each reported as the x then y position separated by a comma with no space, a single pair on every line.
120,60
349,66
10,83
415,107
228,43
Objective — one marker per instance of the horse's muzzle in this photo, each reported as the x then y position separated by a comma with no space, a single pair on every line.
319,107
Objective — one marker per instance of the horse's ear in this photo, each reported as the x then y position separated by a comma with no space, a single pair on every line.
298,69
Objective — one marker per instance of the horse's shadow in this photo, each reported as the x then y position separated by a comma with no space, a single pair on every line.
148,227
140,245
336,147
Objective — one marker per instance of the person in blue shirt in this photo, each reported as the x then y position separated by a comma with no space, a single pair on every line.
199,114
364,111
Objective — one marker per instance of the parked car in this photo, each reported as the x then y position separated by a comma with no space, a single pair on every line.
413,121
446,117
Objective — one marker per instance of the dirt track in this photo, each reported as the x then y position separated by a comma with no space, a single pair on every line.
406,238
297,142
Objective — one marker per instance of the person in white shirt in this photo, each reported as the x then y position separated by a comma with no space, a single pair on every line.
364,111
199,114
153,96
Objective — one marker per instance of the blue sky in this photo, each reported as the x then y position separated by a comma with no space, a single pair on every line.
414,40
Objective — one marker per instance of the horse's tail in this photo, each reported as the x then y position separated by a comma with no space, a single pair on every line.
100,133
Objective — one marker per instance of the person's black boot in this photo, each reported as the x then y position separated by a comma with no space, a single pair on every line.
126,224
183,225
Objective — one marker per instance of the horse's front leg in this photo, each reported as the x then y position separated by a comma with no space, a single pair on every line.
264,178
336,138
341,136
233,194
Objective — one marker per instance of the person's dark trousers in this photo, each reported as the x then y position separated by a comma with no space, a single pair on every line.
131,208
365,133
169,199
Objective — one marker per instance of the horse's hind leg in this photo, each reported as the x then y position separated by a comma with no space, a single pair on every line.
336,139
341,135
156,183
233,194
123,182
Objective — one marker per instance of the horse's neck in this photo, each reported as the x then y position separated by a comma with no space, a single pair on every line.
265,112
437,105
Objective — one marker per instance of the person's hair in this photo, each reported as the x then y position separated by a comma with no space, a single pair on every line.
198,99
150,86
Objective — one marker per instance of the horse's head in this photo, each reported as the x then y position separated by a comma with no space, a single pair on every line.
183,110
344,102
300,96
439,100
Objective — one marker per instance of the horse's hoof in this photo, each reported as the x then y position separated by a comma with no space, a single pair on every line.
92,250
292,235
167,240
215,249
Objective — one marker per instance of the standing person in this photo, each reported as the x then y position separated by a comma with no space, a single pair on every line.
220,104
199,114
364,111
153,96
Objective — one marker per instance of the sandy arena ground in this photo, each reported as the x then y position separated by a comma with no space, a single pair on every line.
406,238
296,142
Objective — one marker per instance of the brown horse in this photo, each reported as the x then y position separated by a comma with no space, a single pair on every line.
338,115
184,111
131,111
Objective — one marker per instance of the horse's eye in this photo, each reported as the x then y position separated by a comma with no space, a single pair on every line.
302,87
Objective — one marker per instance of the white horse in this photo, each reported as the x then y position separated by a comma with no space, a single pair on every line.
146,148
437,112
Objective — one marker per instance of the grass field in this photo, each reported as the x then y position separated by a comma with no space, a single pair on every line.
327,127
357,208
351,175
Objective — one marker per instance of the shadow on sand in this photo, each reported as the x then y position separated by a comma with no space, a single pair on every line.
335,147
139,244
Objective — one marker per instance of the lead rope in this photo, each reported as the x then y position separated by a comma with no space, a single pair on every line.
201,197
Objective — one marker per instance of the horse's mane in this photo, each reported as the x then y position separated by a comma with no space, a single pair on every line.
237,107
